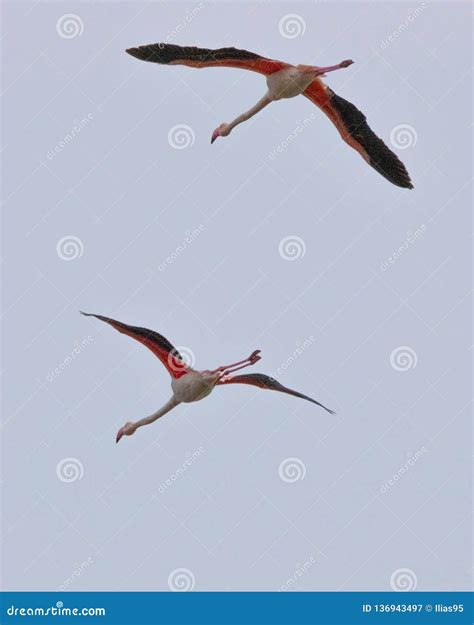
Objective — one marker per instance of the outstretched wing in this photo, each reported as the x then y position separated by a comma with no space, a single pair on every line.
354,129
264,381
169,54
155,342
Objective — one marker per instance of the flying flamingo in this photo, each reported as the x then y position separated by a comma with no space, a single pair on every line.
287,81
188,384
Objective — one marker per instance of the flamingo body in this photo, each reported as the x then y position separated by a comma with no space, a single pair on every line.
193,386
288,82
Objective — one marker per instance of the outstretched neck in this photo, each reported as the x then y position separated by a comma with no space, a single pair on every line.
172,403
262,103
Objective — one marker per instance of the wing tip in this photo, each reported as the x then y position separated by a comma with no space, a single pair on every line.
332,412
393,170
403,181
86,314
133,52
143,53
154,53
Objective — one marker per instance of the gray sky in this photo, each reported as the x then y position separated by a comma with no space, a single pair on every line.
366,307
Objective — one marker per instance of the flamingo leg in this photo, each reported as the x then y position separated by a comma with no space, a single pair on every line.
332,68
254,356
248,364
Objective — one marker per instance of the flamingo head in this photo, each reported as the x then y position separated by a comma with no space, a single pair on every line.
127,430
221,131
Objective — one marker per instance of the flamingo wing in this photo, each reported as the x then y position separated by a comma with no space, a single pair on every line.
158,344
169,54
354,129
265,381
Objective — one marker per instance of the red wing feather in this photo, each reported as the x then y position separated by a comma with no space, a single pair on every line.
264,381
354,129
158,344
169,54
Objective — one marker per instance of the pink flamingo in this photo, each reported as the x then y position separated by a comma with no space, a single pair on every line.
189,385
287,81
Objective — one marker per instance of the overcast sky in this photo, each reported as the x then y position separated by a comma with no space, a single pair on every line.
279,238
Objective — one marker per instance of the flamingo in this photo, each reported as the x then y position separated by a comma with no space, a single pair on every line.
189,385
287,81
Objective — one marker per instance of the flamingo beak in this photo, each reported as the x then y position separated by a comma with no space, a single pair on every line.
215,134
119,435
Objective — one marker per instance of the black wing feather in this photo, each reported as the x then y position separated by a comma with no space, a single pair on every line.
165,53
381,158
267,382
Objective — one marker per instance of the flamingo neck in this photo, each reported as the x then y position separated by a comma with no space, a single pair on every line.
262,103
